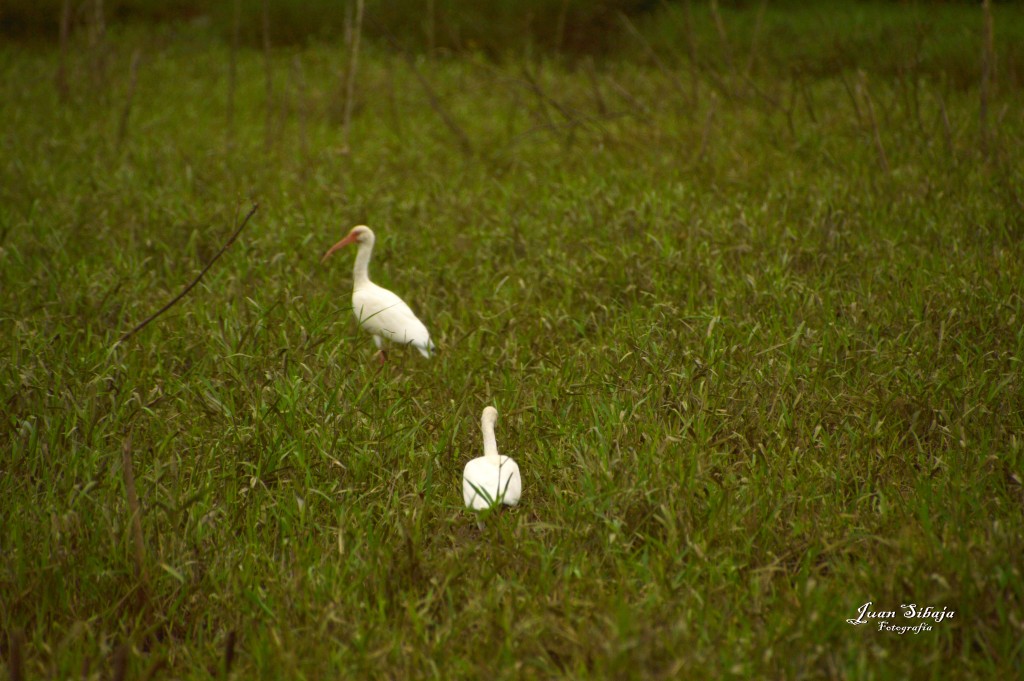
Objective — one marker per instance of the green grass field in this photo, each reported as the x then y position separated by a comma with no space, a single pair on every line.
749,303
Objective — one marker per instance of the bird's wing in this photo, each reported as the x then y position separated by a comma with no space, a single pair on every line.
479,484
483,483
511,481
381,312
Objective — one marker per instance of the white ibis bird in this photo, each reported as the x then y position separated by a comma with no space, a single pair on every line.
492,478
377,309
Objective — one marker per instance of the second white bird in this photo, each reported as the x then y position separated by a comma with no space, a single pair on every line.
492,478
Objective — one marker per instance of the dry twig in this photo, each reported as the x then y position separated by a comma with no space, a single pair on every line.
120,663
882,158
229,652
62,66
195,281
987,73
268,67
665,71
350,76
122,129
435,104
236,21
133,506
15,662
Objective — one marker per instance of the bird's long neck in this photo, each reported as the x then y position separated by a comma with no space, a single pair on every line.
490,444
361,270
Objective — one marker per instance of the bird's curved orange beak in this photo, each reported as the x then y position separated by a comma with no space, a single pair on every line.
340,245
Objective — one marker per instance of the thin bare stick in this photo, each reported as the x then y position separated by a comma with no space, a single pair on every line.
350,79
97,34
394,119
229,652
299,80
195,281
15,661
560,25
705,137
435,104
691,50
665,71
573,118
431,26
549,123
236,21
337,103
347,34
572,121
570,127
768,97
544,98
268,67
882,158
947,129
808,97
720,26
63,91
99,24
638,105
753,40
133,506
515,102
853,97
915,100
987,72
120,663
588,66
791,107
122,129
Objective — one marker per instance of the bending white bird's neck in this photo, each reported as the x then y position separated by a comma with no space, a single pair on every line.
490,444
361,270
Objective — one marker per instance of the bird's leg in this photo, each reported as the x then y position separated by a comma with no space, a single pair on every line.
382,355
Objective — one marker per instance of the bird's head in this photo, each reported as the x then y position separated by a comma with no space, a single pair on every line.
360,234
489,417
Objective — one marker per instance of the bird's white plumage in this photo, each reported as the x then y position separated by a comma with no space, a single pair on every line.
492,478
484,483
385,315
378,310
